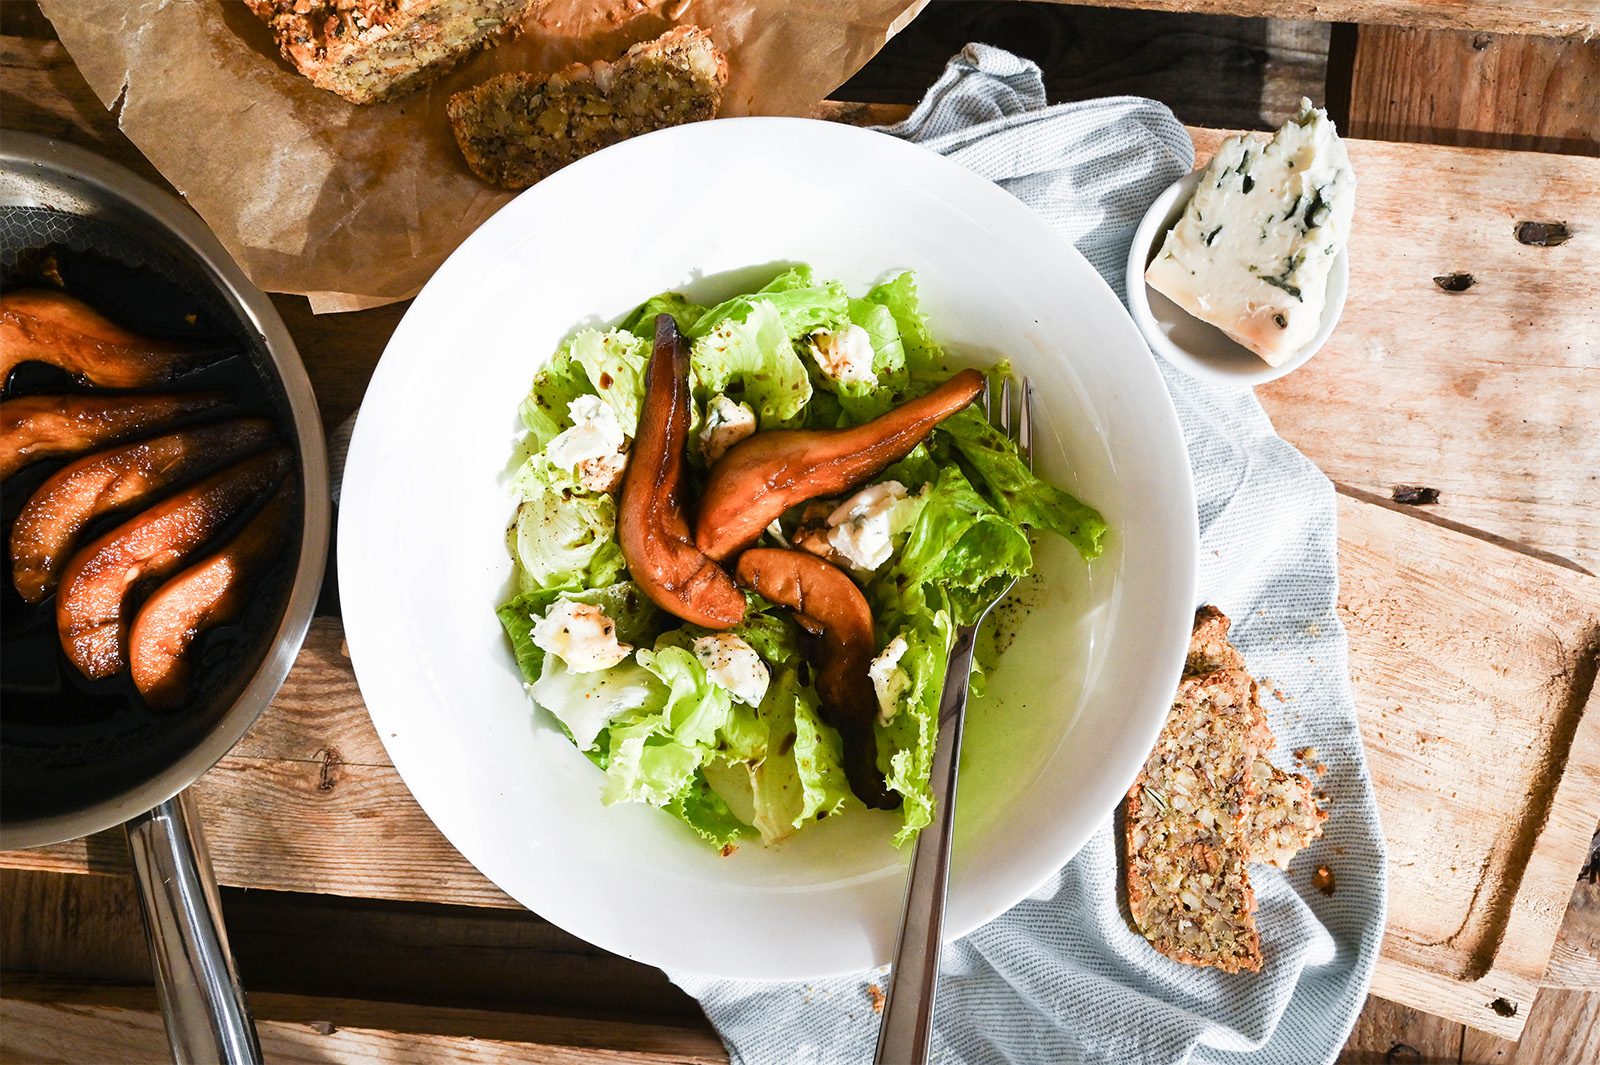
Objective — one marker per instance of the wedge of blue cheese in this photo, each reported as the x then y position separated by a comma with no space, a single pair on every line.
1252,252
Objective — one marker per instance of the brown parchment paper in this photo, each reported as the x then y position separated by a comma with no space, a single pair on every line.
356,206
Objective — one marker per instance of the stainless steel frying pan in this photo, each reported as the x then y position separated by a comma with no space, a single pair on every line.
65,781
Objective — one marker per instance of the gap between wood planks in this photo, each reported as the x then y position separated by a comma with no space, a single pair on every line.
1413,510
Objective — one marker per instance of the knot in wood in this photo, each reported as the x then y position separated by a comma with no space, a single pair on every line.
328,776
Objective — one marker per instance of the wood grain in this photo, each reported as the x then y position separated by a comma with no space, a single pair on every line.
89,928
1479,90
1556,18
1387,1032
1212,71
1563,1029
1487,395
1472,668
1575,958
51,1021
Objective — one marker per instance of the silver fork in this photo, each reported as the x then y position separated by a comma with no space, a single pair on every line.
906,1032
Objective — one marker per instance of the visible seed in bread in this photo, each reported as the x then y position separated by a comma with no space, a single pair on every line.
368,51
515,129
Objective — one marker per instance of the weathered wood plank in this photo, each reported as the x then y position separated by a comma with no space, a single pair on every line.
44,1021
1479,90
1489,394
1387,1032
1575,958
89,928
1556,18
1472,666
1212,71
1563,1029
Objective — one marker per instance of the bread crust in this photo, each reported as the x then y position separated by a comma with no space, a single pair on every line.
515,129
369,51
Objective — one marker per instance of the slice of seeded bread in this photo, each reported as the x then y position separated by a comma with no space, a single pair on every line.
1188,822
1286,816
1188,884
515,129
373,50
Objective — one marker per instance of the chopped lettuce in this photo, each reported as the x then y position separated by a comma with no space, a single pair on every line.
909,736
752,359
562,540
703,810
586,703
638,620
544,411
898,295
614,364
862,401
962,545
803,306
642,322
660,730
1022,497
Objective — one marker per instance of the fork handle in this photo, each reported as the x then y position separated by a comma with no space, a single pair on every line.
905,1035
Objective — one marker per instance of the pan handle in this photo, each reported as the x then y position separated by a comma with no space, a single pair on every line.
207,1017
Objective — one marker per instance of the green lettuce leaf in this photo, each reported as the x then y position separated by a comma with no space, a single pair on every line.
962,545
518,617
909,737
794,775
862,401
647,766
562,541
752,359
642,322
637,619
923,355
586,703
696,708
544,411
703,810
1019,495
614,364
803,306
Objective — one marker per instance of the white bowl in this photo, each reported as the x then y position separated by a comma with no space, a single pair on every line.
715,208
1198,348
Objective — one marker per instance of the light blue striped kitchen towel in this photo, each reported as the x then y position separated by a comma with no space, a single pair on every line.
1061,977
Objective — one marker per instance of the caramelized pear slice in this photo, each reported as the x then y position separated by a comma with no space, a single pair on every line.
40,427
47,530
764,475
92,602
652,527
211,592
44,325
828,605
